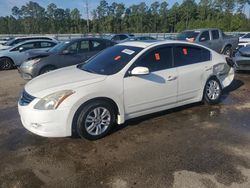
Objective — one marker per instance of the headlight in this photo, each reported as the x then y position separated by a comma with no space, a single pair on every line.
30,62
52,101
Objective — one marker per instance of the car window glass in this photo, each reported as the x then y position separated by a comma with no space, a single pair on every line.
158,59
28,46
116,58
97,46
122,37
72,48
84,46
246,36
215,34
204,36
116,37
46,44
186,55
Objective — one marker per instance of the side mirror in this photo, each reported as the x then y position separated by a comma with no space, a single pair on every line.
139,71
21,49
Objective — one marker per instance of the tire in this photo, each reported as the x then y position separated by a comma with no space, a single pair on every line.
46,69
212,91
228,51
6,63
92,126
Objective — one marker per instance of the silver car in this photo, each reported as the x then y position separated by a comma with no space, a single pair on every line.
242,59
15,55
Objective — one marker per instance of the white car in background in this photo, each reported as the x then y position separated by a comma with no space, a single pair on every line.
17,40
15,55
122,82
244,40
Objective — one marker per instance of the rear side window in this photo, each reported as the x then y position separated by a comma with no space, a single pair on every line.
97,46
204,36
187,55
122,37
156,60
47,44
215,34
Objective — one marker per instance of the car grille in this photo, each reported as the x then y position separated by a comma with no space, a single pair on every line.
25,98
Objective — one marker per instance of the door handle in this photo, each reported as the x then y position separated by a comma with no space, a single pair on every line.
171,78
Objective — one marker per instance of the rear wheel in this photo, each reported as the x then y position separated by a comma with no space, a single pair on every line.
47,69
6,64
213,91
95,120
228,51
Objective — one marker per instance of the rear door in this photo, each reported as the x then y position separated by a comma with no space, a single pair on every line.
193,64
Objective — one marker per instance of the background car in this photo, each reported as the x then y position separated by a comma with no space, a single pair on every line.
122,82
15,55
121,37
242,59
244,40
17,40
141,38
212,38
4,40
62,55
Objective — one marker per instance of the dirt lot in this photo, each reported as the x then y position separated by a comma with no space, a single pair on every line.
193,146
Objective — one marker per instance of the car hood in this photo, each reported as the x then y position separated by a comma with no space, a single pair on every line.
61,79
33,54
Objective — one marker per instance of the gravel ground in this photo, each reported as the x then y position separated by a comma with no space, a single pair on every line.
192,146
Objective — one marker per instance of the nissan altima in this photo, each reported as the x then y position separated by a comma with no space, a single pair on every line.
122,82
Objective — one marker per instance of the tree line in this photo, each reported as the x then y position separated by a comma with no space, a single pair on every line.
32,18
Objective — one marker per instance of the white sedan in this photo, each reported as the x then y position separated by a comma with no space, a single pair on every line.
122,82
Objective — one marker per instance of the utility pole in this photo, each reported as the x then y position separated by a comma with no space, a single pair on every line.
87,14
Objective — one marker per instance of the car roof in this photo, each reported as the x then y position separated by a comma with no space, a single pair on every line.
37,40
202,29
91,38
34,37
146,44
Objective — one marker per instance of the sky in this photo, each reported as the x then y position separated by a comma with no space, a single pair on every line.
6,5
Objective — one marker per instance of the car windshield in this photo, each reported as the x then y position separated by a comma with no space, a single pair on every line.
58,47
187,35
111,60
246,35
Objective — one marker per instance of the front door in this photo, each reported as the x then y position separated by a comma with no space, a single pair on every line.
158,89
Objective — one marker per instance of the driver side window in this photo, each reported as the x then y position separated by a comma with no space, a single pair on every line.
156,60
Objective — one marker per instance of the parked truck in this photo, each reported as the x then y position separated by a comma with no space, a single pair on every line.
212,38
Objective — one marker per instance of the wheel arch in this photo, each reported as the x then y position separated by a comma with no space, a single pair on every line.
78,110
225,46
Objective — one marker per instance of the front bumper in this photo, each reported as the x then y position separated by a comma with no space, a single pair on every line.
46,123
242,63
26,72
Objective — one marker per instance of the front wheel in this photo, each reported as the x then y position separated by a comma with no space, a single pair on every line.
213,91
95,120
6,64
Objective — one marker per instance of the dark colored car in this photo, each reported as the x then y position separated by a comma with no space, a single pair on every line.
64,54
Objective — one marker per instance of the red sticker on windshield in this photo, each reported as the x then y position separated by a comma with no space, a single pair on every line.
184,50
117,58
157,57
